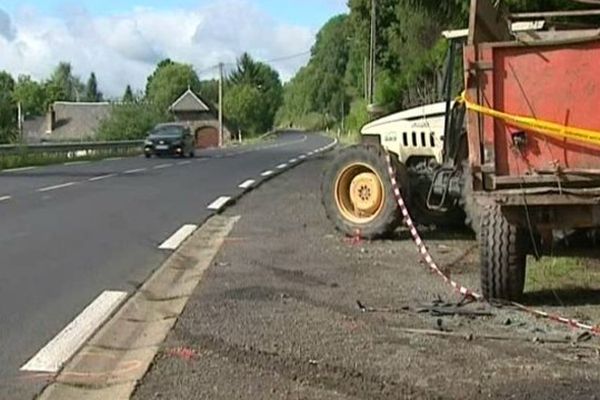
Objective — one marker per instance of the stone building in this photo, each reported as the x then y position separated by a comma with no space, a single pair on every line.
191,110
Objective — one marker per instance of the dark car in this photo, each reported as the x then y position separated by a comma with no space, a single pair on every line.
170,140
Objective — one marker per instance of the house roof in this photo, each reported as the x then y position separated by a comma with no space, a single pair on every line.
189,102
77,121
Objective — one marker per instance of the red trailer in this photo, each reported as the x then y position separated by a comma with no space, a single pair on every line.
533,128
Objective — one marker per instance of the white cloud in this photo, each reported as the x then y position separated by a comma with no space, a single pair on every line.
124,49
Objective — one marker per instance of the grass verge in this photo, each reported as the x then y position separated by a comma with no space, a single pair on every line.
41,159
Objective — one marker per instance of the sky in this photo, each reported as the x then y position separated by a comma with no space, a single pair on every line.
123,40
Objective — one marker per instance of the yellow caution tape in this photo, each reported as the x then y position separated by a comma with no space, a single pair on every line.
552,129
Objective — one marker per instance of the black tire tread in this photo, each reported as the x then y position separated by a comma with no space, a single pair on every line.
503,257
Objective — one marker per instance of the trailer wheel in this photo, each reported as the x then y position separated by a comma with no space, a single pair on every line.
503,256
357,193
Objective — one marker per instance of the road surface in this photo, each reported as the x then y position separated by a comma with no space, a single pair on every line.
70,232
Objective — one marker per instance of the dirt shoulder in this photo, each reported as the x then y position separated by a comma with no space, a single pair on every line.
276,317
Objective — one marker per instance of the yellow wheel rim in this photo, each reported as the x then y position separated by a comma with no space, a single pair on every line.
359,193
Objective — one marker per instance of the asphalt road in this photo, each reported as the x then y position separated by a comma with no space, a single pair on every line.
276,317
70,232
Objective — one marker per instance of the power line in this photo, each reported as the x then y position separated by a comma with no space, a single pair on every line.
291,57
273,60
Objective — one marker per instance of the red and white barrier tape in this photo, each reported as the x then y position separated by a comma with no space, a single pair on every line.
463,290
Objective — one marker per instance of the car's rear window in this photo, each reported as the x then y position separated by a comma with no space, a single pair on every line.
167,131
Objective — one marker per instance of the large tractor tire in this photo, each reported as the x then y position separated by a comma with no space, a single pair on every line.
358,195
503,256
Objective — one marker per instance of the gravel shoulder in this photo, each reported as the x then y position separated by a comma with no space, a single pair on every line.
276,317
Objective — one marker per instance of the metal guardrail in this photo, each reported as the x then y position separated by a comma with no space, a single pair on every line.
66,148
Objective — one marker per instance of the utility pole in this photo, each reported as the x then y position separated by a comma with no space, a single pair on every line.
343,115
373,51
220,104
366,79
20,120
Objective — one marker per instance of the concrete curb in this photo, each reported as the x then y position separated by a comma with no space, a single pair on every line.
120,353
118,356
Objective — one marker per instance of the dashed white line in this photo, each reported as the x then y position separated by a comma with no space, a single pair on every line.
51,358
293,160
282,166
76,163
134,171
56,187
22,169
5,198
163,166
178,237
302,157
267,173
184,163
247,184
101,177
219,203
113,159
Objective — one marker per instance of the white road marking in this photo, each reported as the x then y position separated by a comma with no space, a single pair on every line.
247,184
302,157
134,171
163,166
184,163
267,173
22,169
101,177
178,237
5,198
51,358
293,160
219,203
56,187
282,166
113,159
76,163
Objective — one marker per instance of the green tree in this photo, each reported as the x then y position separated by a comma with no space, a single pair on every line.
209,90
320,87
130,121
159,67
256,81
128,96
31,95
8,109
244,108
169,82
92,94
63,85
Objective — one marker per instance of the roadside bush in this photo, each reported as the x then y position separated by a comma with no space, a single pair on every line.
357,117
311,122
130,121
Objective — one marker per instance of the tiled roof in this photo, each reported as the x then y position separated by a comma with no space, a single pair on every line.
189,102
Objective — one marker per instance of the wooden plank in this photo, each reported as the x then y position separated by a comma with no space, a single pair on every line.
555,14
486,23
